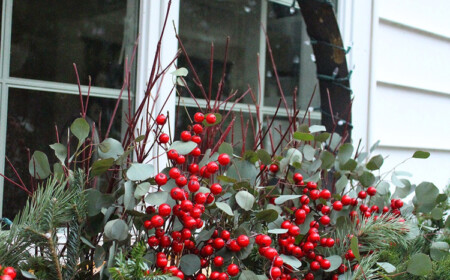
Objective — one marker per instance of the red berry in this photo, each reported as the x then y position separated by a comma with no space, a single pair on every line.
186,205
309,276
225,234
157,221
314,194
218,243
223,159
200,276
325,194
243,240
278,261
216,189
161,179
148,224
185,136
181,181
325,264
214,275
294,230
199,117
311,185
273,168
346,200
164,138
325,220
212,167
315,266
371,191
172,154
161,119
197,128
200,198
174,173
196,152
398,203
337,205
297,177
181,159
304,199
218,261
177,194
275,272
161,262
164,210
193,168
211,118
233,269
362,194
6,277
265,241
325,210
196,139
330,242
193,186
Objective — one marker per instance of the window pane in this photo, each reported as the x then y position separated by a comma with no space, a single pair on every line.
293,58
48,36
31,125
205,21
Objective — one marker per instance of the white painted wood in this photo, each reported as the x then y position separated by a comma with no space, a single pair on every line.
406,118
359,59
434,169
432,16
409,58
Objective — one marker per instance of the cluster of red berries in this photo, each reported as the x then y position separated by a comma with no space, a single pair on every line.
7,273
192,198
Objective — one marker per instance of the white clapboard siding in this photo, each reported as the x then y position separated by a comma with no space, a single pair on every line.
407,99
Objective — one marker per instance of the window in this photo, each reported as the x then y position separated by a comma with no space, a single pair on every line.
39,42
203,22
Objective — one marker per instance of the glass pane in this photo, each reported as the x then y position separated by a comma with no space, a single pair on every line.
48,36
205,21
32,117
293,58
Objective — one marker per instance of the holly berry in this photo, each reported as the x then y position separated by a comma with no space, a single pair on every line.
164,138
164,210
311,185
337,205
273,168
325,220
161,119
161,262
223,159
185,136
243,240
6,277
325,194
216,189
196,139
174,173
315,265
275,272
161,179
157,221
193,168
371,191
172,154
193,186
325,264
362,194
211,118
199,117
218,261
196,152
197,128
212,167
346,200
297,177
233,269
225,234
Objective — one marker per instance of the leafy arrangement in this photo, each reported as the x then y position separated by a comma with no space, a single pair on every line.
309,206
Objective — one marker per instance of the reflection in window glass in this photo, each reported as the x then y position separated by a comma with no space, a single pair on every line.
48,36
292,55
205,21
32,117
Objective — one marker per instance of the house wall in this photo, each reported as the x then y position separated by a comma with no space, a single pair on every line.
401,82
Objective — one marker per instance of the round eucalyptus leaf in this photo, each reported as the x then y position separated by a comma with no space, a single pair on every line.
283,198
80,128
268,215
101,166
38,166
141,190
116,230
292,261
190,264
439,250
248,275
60,151
225,208
389,268
278,230
110,148
183,148
245,200
419,264
140,171
335,261
157,198
426,193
